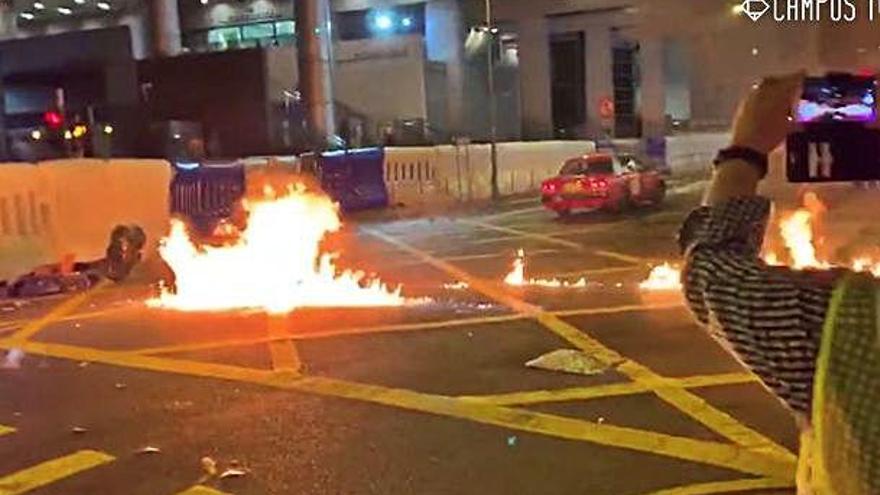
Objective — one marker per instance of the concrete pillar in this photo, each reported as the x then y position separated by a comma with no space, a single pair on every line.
652,57
315,52
444,41
599,78
165,27
8,25
534,67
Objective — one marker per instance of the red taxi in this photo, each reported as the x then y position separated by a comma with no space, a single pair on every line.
602,181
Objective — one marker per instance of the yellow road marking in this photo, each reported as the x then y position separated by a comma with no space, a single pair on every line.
34,326
622,257
201,490
335,332
468,257
5,430
12,324
400,327
594,271
51,471
619,309
700,451
285,358
522,233
727,487
685,401
603,391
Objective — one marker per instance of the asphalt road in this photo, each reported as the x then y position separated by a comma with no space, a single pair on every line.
113,397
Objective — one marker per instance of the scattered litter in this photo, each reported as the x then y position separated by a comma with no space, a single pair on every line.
209,466
83,364
179,405
233,473
121,386
601,420
12,360
79,430
511,441
568,361
619,285
470,334
149,450
457,285
77,325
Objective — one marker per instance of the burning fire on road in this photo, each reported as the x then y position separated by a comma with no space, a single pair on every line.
799,231
517,277
275,263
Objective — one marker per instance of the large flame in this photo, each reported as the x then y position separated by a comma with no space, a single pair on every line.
517,277
799,231
275,263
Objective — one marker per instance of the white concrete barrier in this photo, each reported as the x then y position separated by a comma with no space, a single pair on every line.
26,219
66,208
446,173
692,153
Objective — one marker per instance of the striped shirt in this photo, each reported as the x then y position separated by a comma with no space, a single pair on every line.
770,318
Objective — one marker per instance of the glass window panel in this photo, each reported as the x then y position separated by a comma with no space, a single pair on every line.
258,31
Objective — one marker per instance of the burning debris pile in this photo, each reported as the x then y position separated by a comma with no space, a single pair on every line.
275,263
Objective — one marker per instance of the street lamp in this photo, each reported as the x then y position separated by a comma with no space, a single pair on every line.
491,31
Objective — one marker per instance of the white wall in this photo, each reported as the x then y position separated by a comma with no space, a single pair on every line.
383,79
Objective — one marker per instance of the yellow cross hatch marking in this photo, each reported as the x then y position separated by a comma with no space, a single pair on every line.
51,471
683,400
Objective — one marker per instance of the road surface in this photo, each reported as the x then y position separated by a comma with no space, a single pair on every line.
113,397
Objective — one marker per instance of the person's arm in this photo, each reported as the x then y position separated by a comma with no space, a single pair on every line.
769,318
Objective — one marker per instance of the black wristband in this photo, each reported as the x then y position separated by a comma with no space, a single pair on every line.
748,155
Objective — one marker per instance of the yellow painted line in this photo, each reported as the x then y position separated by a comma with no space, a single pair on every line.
51,471
629,308
728,486
469,257
699,451
11,324
285,358
622,257
201,490
594,271
603,391
686,402
34,326
522,233
5,430
335,332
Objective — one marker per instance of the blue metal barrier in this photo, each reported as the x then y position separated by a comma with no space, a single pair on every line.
354,178
206,194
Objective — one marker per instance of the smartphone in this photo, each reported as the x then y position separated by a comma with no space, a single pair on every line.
838,98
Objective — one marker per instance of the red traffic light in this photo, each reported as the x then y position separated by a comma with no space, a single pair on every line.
53,119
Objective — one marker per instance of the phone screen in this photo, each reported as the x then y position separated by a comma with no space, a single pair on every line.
838,99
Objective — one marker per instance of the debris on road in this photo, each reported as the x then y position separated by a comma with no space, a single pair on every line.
120,386
568,361
457,285
511,441
13,359
79,430
149,450
600,420
83,364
